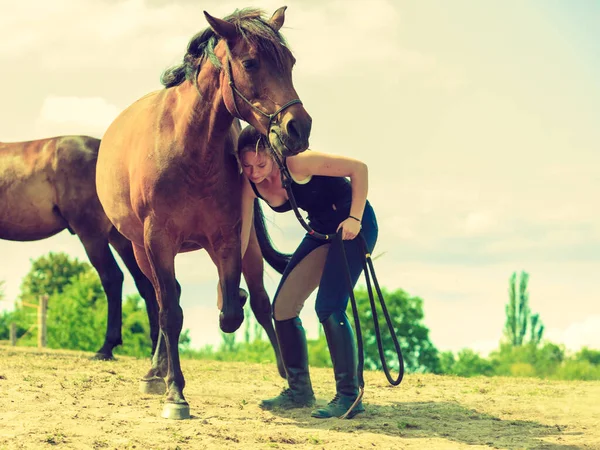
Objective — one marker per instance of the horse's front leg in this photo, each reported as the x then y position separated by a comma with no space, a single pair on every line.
253,270
160,250
225,251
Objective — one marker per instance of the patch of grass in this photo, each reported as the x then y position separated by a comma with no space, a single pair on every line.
55,438
314,440
406,425
180,438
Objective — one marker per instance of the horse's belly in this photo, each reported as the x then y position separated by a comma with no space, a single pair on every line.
189,247
28,211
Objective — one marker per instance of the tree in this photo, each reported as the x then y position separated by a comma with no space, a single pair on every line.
589,355
541,360
77,308
467,364
77,314
406,314
518,314
50,274
4,318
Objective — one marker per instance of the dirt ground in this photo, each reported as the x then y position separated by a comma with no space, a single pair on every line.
62,399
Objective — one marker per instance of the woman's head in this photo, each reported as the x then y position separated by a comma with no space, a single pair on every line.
257,162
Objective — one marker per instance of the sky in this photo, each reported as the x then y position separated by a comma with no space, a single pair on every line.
478,121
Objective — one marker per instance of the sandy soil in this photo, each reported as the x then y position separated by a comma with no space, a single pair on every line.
61,399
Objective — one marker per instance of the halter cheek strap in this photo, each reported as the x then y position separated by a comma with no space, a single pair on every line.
235,91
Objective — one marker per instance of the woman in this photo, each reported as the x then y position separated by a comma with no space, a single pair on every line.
333,203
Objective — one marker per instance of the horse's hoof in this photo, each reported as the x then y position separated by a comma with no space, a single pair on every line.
176,411
102,357
154,386
231,323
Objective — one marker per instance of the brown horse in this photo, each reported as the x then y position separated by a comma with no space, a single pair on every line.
48,185
167,176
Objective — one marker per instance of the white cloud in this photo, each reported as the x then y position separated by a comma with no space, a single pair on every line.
478,223
347,36
75,115
577,335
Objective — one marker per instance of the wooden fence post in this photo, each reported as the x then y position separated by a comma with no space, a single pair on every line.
42,321
13,334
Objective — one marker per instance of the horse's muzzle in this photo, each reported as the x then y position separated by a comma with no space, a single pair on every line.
287,144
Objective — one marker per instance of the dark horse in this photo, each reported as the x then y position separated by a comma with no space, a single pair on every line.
168,178
49,185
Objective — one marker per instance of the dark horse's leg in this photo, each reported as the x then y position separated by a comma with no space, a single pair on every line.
125,250
102,259
160,253
252,268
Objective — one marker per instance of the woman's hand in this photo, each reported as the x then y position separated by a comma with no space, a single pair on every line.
350,228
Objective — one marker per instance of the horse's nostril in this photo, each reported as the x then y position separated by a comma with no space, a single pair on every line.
292,129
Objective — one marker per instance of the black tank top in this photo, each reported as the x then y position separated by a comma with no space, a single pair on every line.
326,199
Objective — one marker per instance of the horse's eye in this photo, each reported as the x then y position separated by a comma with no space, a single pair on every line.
250,64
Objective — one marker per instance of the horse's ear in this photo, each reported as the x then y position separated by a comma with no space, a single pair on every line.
223,28
277,19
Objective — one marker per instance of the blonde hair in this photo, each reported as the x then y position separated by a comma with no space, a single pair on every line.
250,139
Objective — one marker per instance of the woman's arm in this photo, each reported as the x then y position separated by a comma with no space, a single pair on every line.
310,163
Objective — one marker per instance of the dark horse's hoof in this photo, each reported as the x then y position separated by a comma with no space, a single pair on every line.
176,411
154,386
102,356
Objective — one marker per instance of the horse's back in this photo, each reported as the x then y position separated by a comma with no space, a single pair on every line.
31,178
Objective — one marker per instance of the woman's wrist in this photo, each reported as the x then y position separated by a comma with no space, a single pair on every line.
355,218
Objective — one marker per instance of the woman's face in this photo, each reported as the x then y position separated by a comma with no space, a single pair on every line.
256,166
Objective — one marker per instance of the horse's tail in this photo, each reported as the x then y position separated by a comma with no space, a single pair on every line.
274,258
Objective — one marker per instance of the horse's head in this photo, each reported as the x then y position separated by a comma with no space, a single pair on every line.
256,80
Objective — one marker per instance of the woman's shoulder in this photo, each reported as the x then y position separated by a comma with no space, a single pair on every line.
303,163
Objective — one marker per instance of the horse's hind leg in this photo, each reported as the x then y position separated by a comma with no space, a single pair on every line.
125,250
253,269
111,277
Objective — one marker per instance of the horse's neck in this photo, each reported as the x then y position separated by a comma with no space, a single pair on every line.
209,123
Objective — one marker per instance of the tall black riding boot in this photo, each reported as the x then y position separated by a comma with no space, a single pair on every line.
342,348
294,352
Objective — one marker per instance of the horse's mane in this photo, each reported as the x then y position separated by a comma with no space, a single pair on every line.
251,25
